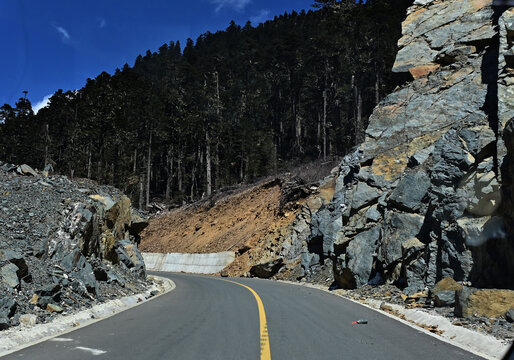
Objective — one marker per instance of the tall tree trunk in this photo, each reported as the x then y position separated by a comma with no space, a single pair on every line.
149,169
135,162
89,162
359,131
242,168
360,127
377,85
217,164
193,176
141,192
208,162
179,173
325,125
297,127
169,180
217,139
47,140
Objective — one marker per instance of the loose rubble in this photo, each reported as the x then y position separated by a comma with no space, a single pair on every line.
64,245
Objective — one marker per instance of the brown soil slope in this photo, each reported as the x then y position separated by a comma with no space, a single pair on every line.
233,223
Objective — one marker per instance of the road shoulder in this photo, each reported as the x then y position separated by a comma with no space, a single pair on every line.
477,343
22,336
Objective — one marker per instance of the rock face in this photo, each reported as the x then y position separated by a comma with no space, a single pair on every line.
429,194
63,245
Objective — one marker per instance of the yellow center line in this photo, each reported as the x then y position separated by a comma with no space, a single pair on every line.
265,352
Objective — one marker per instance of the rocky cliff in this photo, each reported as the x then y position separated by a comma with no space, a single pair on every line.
429,193
63,245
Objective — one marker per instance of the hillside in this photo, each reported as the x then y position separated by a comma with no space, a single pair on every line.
229,108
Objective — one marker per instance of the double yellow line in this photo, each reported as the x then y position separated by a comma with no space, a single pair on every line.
265,352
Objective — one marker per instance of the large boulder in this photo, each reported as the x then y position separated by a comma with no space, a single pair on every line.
443,292
129,255
354,268
267,269
9,276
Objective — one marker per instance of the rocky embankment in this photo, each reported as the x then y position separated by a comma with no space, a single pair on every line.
64,245
428,196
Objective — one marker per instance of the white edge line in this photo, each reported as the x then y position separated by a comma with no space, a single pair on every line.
170,287
408,323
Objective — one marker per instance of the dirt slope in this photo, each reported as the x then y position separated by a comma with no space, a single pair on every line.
232,223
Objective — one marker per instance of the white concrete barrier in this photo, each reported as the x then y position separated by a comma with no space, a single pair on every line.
189,263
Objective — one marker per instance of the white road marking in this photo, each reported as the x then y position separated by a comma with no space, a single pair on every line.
61,339
92,351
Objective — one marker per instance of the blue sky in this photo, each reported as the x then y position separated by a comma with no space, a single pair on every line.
58,44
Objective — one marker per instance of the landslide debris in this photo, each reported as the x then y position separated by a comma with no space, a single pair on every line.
64,245
246,220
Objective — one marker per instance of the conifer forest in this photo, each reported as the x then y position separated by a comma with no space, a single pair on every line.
233,106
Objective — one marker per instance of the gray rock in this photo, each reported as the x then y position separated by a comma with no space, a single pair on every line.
129,255
48,170
414,270
113,277
8,167
354,269
49,290
451,160
415,54
421,156
461,300
452,54
28,319
43,301
138,223
73,260
26,170
372,214
87,277
410,191
268,269
54,308
509,315
7,307
4,323
364,195
9,275
398,228
17,259
327,223
444,298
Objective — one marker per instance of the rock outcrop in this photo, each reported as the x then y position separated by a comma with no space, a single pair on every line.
429,194
63,244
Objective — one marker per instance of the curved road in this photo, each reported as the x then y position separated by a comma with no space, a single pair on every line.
211,318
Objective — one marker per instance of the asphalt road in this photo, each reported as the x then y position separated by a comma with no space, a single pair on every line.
210,318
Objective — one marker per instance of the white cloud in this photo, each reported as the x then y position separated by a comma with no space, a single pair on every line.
102,23
41,104
238,5
65,35
262,16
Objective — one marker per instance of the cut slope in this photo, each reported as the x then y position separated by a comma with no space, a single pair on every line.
231,224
